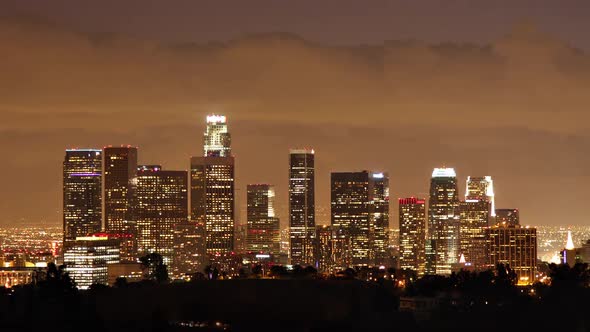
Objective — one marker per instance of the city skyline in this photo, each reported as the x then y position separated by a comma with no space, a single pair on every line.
216,120
474,112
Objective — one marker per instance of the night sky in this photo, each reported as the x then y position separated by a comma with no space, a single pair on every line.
488,87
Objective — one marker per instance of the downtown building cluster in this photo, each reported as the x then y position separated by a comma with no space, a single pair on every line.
448,233
116,210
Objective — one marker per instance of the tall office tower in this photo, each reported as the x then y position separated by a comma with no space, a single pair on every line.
507,216
515,246
481,188
160,203
324,256
379,217
341,253
477,212
430,256
212,201
263,234
302,206
212,188
443,219
82,182
412,237
189,249
217,140
86,259
360,206
474,220
120,168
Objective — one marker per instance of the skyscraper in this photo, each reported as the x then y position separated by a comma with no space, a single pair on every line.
443,219
507,216
412,237
302,206
82,203
212,188
217,140
189,248
161,202
360,207
481,188
324,256
515,246
476,212
263,227
380,216
120,168
474,221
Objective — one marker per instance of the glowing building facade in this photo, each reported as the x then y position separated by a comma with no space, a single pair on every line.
443,220
217,140
86,259
212,201
82,188
324,256
477,211
189,249
515,246
302,206
379,186
481,188
412,234
263,233
474,220
161,202
120,168
360,207
212,188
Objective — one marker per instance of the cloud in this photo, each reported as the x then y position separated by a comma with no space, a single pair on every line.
515,109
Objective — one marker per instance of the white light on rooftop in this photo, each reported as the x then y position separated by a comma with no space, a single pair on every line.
215,118
444,173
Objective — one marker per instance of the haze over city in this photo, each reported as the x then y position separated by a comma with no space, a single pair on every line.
505,97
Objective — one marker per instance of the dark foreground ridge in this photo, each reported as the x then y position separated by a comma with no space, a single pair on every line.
463,302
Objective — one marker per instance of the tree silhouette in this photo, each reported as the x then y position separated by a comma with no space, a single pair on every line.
257,271
121,282
154,267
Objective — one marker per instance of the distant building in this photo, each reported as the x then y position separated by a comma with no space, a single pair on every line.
161,202
507,216
132,272
443,219
341,253
14,276
360,208
189,249
569,255
86,259
584,252
263,234
240,238
302,206
475,215
481,189
412,234
379,217
324,256
120,168
516,247
82,202
212,187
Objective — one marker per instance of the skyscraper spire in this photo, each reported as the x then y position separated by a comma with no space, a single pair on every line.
570,243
